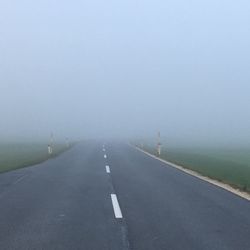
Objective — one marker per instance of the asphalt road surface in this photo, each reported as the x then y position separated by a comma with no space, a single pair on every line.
115,197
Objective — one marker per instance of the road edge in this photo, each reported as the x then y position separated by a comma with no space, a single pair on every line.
222,185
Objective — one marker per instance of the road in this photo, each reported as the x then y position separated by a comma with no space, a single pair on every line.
116,197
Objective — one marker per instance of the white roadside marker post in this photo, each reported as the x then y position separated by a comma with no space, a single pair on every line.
159,144
49,150
50,146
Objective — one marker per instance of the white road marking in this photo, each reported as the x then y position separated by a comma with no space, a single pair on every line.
116,207
108,169
105,156
103,149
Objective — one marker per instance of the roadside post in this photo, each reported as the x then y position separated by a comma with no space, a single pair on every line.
159,144
49,149
50,146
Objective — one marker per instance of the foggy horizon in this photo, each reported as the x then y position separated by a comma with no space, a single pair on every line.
125,69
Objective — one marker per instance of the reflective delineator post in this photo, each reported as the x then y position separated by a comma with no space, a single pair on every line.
49,149
50,146
159,144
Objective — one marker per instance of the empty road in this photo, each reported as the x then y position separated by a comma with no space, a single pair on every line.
98,197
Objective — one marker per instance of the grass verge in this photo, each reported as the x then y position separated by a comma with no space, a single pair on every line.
19,155
227,165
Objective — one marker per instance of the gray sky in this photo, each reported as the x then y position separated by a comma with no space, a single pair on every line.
109,68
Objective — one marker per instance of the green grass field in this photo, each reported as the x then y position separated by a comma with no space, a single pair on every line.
228,165
18,155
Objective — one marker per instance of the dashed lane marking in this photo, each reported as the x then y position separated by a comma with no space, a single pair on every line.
108,169
116,207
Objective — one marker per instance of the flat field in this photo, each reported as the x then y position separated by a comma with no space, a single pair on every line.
18,155
228,165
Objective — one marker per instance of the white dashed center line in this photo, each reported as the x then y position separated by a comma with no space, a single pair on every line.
116,207
108,169
105,156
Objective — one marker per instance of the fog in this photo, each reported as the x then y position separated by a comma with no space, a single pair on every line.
91,69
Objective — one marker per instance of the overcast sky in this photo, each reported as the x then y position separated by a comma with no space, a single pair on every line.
109,68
